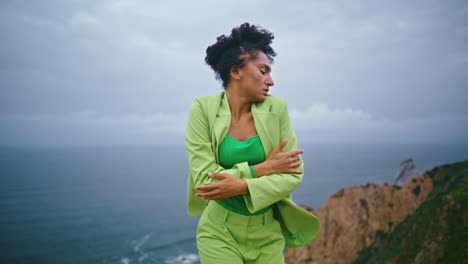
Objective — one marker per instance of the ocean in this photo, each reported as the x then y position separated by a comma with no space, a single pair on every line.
127,204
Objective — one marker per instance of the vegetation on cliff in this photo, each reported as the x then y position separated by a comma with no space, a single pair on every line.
353,216
436,232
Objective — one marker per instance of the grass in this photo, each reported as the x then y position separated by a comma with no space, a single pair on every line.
440,220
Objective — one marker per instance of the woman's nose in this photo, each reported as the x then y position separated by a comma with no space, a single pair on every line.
270,82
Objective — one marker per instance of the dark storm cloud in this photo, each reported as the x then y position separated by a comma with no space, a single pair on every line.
397,68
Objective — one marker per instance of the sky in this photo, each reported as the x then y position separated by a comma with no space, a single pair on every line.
127,72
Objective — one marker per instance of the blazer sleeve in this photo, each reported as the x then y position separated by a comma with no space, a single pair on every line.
269,189
200,155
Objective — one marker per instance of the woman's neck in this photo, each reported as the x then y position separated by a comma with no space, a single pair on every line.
238,104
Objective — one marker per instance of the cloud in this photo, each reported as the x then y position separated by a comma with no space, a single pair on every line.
318,123
321,116
176,13
138,123
92,127
403,62
321,123
82,18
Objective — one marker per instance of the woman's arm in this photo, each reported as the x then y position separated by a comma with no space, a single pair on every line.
278,162
267,190
264,191
200,155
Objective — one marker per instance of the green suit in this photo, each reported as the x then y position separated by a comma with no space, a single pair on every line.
208,123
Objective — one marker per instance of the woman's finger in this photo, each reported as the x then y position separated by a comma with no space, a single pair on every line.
282,144
209,195
216,197
207,187
216,175
296,152
296,171
295,165
296,159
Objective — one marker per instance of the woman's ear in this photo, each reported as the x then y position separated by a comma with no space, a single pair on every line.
235,73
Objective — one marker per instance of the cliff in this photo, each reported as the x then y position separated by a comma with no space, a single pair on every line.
436,232
358,221
406,171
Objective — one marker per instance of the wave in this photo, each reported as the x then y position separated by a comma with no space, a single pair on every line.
182,251
183,259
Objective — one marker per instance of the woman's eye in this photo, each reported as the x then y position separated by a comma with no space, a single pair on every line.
263,72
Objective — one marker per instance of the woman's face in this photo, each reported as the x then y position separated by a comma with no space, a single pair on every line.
255,77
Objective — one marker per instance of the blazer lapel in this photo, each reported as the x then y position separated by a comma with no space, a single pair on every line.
221,124
266,124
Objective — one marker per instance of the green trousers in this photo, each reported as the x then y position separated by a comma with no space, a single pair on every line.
225,237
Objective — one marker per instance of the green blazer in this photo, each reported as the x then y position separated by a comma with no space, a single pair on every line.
209,121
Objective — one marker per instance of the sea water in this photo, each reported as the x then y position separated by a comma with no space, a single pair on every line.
128,204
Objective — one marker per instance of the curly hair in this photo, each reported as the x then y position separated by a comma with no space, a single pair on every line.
235,50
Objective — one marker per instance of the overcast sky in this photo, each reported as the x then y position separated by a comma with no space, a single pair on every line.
126,72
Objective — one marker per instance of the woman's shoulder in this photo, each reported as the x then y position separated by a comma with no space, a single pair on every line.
273,99
273,104
270,99
206,101
209,98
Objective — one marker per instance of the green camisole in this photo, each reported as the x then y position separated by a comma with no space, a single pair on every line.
232,151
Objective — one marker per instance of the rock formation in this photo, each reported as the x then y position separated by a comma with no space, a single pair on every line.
436,232
352,217
406,171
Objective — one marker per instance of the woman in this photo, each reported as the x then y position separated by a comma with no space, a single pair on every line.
242,195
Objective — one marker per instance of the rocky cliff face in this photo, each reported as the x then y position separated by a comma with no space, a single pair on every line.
406,171
352,217
436,232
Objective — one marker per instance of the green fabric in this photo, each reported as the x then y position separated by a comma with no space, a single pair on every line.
232,151
224,237
252,171
208,122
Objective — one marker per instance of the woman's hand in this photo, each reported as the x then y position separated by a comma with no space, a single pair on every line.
228,186
279,162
